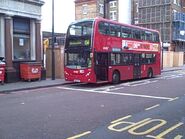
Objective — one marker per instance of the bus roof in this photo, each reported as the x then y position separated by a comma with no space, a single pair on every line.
114,22
83,20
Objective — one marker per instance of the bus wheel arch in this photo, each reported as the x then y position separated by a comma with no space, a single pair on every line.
115,77
150,73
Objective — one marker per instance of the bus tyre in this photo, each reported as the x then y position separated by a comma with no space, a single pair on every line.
150,73
115,77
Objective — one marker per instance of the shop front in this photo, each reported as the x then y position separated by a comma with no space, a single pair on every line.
20,35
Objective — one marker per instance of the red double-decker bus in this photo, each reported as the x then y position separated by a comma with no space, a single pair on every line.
100,50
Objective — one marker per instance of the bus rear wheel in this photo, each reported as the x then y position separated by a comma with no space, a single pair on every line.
150,73
115,77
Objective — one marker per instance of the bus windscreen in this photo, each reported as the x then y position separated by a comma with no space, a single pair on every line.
77,60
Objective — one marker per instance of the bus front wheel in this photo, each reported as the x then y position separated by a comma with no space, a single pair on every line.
115,77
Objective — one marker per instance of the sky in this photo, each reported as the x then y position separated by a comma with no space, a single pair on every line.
64,15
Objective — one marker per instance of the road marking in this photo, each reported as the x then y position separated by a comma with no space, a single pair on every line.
114,89
169,77
140,82
104,88
161,135
174,99
114,93
178,137
128,125
176,76
144,83
134,131
144,127
147,109
80,135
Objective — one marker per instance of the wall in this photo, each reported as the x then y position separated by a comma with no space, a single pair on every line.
30,9
173,59
59,62
168,59
178,59
91,10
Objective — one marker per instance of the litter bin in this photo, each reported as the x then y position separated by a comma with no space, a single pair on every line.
2,72
30,71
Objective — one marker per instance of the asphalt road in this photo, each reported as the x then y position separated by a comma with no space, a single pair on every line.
150,108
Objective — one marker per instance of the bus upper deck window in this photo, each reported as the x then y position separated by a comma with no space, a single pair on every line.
103,28
155,37
126,32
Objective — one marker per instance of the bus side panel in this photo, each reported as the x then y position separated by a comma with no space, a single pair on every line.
156,68
106,43
145,68
100,41
126,72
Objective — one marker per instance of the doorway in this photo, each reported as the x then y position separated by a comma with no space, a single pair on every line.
137,66
101,66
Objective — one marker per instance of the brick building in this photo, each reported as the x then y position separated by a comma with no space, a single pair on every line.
117,10
20,38
89,9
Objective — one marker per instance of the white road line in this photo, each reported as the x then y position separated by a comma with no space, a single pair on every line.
147,109
104,88
168,77
138,83
117,88
114,93
174,99
148,82
178,137
111,88
80,135
134,82
174,77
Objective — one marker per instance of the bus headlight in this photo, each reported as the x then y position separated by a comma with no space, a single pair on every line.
66,73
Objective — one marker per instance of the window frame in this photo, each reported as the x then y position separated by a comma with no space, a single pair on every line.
85,9
105,30
129,32
22,39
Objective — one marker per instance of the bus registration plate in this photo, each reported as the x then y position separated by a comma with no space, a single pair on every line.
77,81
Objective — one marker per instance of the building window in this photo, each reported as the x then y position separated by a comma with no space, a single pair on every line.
113,4
137,7
113,15
177,2
21,39
101,8
84,9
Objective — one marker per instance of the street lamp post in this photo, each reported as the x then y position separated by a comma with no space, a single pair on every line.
163,35
53,44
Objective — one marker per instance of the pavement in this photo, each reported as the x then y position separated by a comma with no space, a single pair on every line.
25,85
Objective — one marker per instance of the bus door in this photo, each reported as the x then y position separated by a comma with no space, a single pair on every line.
137,66
101,66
